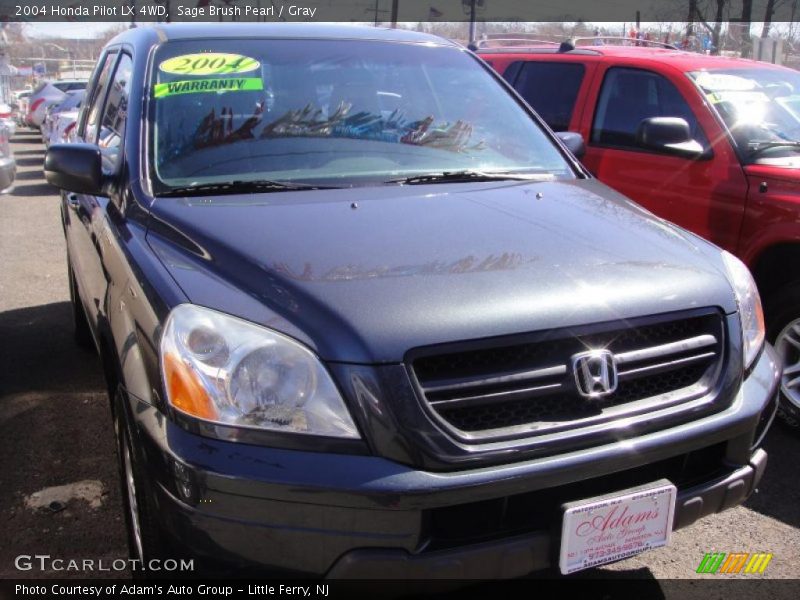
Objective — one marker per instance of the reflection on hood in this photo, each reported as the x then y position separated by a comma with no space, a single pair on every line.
469,264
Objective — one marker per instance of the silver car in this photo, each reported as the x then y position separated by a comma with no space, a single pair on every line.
8,166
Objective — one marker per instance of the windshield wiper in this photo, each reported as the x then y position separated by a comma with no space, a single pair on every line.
241,187
467,175
757,148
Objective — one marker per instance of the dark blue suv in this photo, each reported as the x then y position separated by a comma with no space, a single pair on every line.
360,312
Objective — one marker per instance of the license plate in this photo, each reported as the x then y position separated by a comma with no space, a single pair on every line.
608,528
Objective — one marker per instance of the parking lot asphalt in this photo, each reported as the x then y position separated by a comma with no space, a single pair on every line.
55,425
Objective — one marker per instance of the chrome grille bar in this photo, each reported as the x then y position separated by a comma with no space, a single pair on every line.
446,385
694,343
487,392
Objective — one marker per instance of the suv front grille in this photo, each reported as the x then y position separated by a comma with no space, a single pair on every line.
529,387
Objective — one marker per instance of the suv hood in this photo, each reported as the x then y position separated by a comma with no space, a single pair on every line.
365,274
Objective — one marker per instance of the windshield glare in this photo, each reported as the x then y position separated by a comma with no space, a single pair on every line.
335,113
759,106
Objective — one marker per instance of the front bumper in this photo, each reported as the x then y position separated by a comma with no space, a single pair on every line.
365,516
525,554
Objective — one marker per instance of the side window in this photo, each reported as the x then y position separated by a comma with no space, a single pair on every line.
95,103
551,88
512,70
629,96
115,114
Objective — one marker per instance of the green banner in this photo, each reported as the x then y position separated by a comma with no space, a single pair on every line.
197,86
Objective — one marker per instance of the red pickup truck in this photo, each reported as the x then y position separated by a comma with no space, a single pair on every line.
709,143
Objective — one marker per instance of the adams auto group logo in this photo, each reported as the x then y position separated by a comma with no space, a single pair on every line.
721,563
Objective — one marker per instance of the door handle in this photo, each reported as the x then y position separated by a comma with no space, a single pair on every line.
72,201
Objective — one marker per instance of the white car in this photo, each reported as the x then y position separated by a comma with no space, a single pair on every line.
63,130
47,93
7,118
20,101
71,101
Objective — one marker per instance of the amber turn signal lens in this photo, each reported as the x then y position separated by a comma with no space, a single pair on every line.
186,393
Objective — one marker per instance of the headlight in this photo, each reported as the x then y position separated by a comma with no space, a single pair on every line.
750,312
222,369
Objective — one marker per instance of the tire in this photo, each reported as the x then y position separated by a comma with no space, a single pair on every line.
783,332
80,324
146,539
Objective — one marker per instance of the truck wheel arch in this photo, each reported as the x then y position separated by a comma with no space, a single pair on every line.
775,268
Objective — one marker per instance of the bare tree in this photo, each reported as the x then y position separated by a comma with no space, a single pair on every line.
792,14
698,13
693,13
769,13
112,31
747,17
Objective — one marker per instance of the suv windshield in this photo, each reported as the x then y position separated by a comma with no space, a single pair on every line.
73,100
67,86
328,112
760,107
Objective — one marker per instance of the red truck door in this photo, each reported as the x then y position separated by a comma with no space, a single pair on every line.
553,85
706,196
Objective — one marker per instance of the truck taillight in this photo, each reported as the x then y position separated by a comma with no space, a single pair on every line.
67,130
36,104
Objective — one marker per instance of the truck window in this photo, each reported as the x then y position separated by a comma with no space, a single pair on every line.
98,95
629,96
112,125
551,88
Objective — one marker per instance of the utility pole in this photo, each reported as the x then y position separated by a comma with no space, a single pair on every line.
747,17
472,22
376,12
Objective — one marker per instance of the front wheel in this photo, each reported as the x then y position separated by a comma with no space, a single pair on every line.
145,536
783,331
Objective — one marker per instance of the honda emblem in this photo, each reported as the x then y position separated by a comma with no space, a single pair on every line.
595,373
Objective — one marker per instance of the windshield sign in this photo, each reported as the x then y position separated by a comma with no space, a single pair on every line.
760,107
335,113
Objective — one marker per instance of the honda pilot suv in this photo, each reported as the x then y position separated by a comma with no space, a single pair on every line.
361,313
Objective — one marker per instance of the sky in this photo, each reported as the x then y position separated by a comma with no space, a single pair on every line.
67,30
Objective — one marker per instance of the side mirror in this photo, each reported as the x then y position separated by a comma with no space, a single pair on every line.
74,168
573,141
670,135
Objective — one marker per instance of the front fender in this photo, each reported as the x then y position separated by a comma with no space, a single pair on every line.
139,298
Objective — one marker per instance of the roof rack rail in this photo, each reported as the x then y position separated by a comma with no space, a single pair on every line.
510,42
627,41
